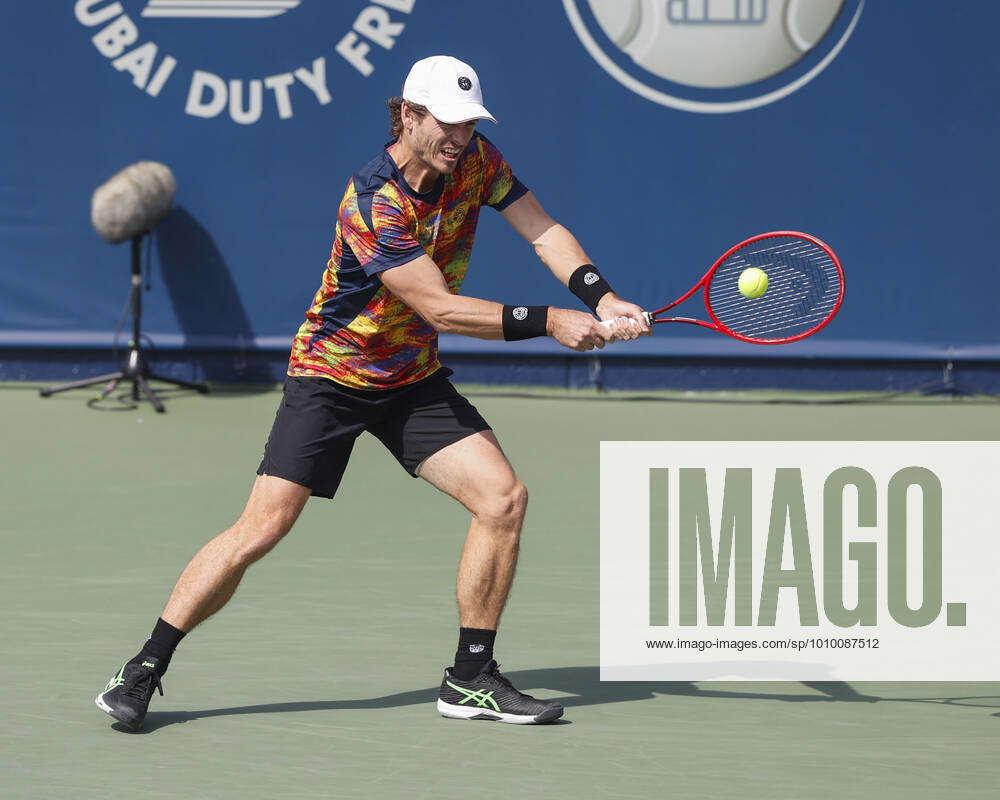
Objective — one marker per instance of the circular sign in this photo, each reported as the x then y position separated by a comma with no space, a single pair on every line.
713,56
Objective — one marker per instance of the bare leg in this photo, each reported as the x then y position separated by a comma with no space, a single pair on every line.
475,472
212,576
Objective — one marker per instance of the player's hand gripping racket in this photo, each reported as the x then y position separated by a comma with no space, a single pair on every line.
803,289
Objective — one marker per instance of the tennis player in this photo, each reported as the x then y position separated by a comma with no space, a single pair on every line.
366,359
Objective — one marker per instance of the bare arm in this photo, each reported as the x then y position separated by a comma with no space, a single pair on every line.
555,245
421,286
560,251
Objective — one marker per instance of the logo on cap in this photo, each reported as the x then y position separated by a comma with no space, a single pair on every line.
464,83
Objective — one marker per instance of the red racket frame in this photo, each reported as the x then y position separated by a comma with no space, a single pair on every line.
716,325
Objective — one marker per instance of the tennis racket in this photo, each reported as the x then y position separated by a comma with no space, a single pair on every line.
805,288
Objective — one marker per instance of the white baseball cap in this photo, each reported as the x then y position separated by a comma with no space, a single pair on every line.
448,88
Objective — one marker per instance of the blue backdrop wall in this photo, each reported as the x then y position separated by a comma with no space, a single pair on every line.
873,127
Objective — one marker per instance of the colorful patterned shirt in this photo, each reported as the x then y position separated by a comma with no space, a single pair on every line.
357,332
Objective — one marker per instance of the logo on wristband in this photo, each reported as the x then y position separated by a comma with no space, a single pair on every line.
591,278
520,313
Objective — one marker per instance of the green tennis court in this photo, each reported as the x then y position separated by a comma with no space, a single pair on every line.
319,678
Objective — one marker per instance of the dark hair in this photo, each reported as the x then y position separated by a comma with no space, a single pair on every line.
395,105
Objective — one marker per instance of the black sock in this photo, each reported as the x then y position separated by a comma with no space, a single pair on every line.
475,648
161,644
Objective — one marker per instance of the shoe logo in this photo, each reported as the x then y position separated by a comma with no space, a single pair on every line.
476,648
482,699
118,680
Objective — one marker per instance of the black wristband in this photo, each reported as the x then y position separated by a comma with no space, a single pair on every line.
524,322
588,284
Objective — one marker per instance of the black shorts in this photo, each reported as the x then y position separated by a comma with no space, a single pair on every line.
318,421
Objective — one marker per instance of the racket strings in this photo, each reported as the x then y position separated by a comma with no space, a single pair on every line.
804,286
735,312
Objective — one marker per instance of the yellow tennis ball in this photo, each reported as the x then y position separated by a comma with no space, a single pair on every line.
753,282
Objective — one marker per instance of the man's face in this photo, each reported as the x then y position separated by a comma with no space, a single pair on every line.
437,144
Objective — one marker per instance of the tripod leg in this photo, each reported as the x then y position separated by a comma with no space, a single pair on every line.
109,388
65,387
201,387
139,382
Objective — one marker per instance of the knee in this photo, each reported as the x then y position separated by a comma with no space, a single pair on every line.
253,548
505,507
253,537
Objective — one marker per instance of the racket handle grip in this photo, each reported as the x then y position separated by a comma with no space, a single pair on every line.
607,323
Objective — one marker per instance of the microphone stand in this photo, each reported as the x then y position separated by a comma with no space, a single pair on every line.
135,368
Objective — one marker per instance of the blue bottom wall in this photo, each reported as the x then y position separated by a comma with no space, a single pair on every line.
613,373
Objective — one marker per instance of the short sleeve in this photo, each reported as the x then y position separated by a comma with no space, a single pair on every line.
501,187
380,233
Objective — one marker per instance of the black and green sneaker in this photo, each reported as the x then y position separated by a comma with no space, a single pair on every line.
491,696
127,695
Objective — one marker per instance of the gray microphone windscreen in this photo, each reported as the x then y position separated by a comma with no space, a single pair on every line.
133,202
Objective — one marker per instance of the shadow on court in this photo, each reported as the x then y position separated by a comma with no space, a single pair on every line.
206,301
577,687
